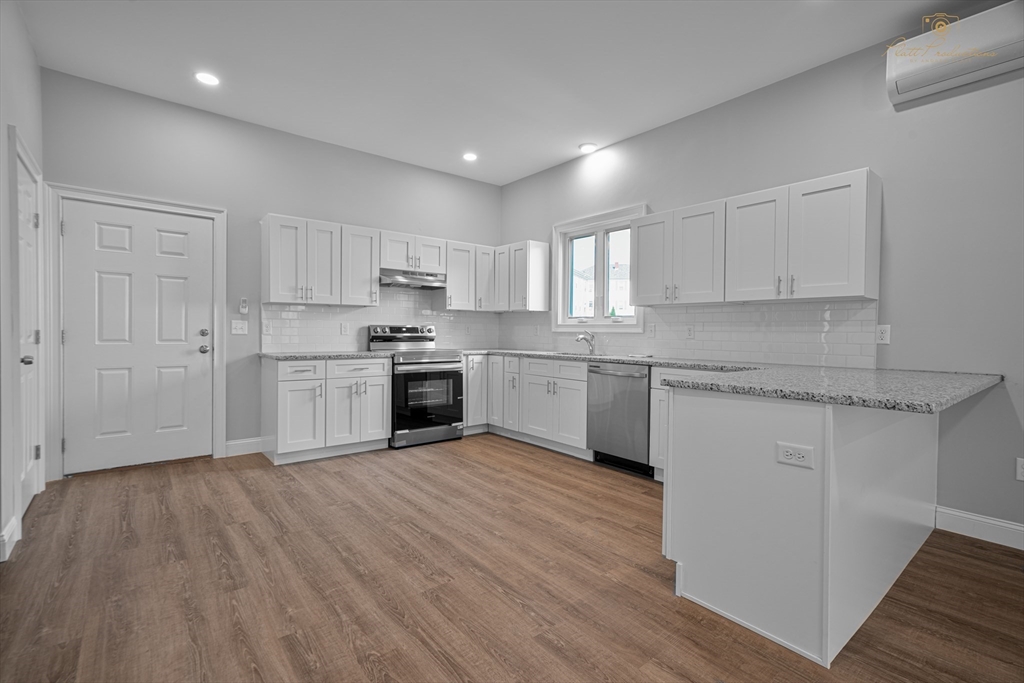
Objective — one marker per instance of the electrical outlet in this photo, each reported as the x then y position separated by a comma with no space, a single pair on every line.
239,327
691,331
797,456
651,330
536,330
267,327
469,330
882,334
345,329
1020,469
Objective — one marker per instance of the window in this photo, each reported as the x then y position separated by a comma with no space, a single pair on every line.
592,257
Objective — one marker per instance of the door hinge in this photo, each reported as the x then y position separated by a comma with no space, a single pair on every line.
61,227
39,451
35,221
39,336
63,444
63,336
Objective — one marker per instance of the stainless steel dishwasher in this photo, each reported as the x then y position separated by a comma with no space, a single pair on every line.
618,411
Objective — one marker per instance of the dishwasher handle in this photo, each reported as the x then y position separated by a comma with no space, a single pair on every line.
594,371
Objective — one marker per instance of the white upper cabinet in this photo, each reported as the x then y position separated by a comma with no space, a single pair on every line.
485,280
834,236
502,278
431,255
698,253
529,263
360,266
301,261
460,287
397,250
651,272
323,262
755,246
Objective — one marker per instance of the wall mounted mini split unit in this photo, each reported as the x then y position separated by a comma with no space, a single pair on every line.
955,52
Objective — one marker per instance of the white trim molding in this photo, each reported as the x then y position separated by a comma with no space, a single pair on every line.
219,218
9,536
244,446
981,527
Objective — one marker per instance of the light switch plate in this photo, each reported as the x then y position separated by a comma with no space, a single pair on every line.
267,327
239,327
345,329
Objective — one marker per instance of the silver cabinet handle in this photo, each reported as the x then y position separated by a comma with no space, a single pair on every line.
418,259
556,388
364,387
513,381
549,386
27,360
676,297
666,292
479,302
471,364
320,390
312,293
449,301
792,285
778,287
524,302
204,349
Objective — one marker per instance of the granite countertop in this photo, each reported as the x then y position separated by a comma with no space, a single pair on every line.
325,355
709,365
908,391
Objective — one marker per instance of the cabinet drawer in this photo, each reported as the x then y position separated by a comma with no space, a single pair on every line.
538,366
511,364
300,369
361,367
570,370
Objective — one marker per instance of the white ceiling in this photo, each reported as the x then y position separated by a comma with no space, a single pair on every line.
519,83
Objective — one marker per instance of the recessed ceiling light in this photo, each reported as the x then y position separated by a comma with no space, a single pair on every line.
207,79
588,147
469,156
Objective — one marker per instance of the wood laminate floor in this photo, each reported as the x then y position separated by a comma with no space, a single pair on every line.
478,560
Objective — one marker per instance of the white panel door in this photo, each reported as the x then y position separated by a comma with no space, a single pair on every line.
569,408
756,226
698,253
431,255
658,439
476,391
651,272
323,262
343,414
496,390
461,280
28,472
485,291
397,250
535,406
519,262
360,266
300,415
138,354
287,253
827,236
512,399
376,409
502,278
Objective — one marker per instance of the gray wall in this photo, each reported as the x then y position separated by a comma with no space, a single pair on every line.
105,138
21,106
952,248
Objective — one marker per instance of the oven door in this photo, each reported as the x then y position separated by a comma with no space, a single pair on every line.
427,403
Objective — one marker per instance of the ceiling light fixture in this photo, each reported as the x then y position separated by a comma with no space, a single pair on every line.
469,156
588,147
207,79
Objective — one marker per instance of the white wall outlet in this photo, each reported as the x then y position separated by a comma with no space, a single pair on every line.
345,329
691,331
652,330
882,334
239,327
469,330
1020,469
797,456
267,327
536,330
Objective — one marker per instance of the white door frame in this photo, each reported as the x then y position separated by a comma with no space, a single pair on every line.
219,217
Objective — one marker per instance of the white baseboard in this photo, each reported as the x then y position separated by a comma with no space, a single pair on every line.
10,535
244,446
581,453
990,529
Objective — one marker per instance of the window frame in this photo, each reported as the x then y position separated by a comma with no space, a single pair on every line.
599,225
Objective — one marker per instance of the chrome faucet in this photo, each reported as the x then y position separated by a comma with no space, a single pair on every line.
587,337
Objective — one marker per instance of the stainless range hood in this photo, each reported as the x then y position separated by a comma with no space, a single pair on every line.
391,277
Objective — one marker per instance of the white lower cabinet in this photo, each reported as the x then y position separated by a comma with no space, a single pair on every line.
474,392
511,401
496,391
343,404
300,415
535,413
375,407
569,398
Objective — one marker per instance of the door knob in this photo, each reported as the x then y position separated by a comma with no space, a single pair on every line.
204,349
27,360
204,332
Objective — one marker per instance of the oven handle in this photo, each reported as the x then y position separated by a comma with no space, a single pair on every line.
426,367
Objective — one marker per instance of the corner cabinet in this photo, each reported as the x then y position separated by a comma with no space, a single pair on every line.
360,266
300,261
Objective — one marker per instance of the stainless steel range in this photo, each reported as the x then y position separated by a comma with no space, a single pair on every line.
426,387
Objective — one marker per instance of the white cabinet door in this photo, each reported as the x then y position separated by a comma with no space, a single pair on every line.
431,255
658,439
375,408
397,250
756,227
461,281
485,281
519,260
475,394
496,390
360,266
535,412
300,415
650,276
502,278
513,390
698,253
828,230
323,262
569,398
285,259
343,414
